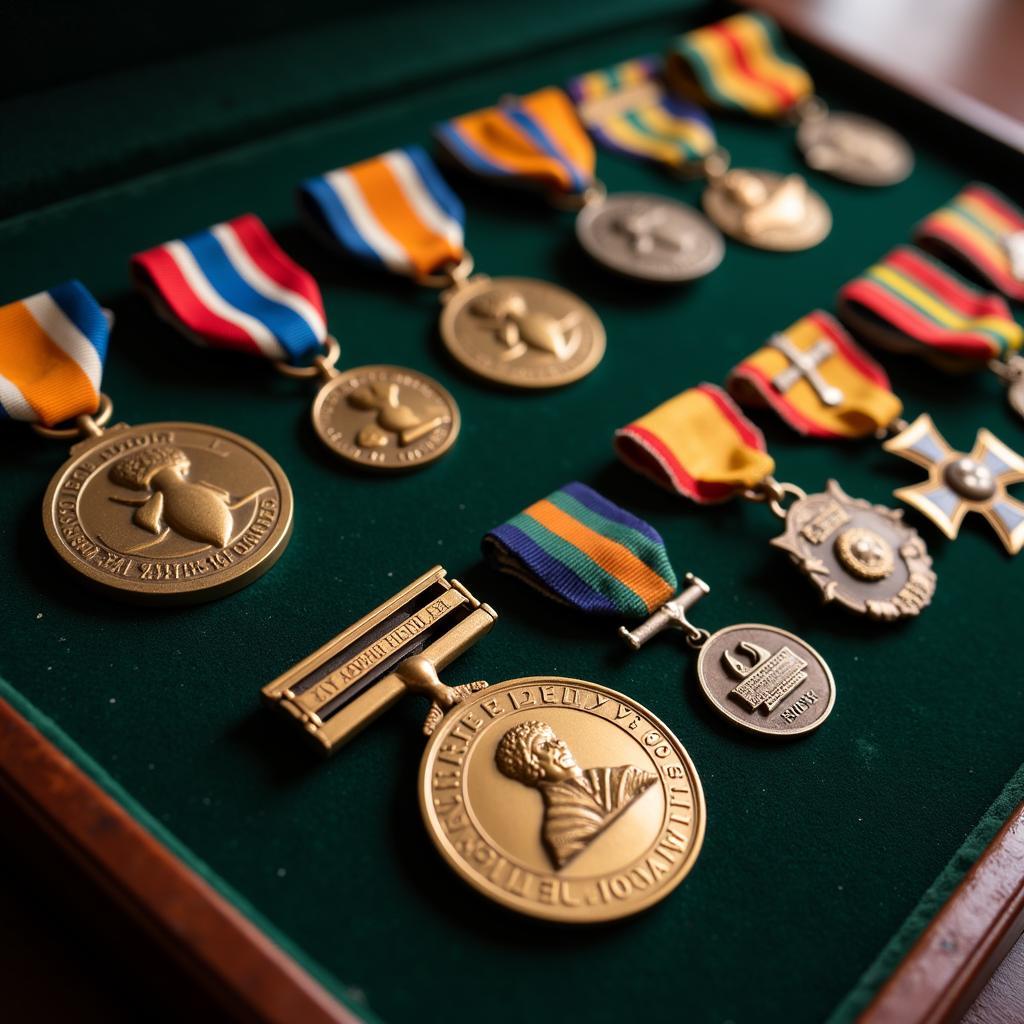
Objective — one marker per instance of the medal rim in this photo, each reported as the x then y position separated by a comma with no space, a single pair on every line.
221,585
591,211
740,236
764,730
462,295
497,895
316,415
803,142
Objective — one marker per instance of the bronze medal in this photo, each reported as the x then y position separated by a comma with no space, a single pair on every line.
520,332
169,513
386,417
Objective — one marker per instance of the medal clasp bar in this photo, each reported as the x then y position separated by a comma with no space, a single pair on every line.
342,686
672,614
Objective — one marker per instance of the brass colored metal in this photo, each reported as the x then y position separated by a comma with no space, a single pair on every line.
520,332
862,556
767,210
169,512
386,418
854,148
562,799
1011,372
959,483
672,614
85,425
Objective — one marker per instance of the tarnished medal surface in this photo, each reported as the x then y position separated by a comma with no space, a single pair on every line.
386,417
853,148
766,680
864,556
169,512
767,210
562,799
649,237
521,332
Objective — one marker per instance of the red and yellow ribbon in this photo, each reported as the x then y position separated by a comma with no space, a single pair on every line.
698,444
818,380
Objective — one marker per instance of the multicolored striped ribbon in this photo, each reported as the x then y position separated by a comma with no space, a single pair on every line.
739,64
52,348
698,444
393,212
628,110
983,229
534,140
232,286
577,547
909,302
816,377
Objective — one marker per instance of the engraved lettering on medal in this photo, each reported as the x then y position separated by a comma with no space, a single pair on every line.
768,678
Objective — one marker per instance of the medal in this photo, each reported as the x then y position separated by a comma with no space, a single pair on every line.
860,556
395,212
579,549
822,384
907,302
160,512
539,141
231,286
741,65
520,782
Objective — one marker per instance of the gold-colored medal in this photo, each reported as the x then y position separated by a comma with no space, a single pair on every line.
559,798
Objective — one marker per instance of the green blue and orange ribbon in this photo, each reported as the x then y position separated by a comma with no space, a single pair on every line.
534,140
910,302
629,110
983,230
739,64
578,548
52,348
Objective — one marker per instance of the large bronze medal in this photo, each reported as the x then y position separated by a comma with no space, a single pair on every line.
559,798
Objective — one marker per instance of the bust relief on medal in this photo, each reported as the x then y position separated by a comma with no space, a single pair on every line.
579,804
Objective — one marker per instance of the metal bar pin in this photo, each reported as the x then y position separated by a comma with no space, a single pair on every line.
672,614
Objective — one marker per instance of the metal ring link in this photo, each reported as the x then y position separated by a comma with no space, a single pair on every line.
450,276
593,193
322,366
86,425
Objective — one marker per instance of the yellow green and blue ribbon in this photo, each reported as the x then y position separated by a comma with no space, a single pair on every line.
629,110
52,348
580,549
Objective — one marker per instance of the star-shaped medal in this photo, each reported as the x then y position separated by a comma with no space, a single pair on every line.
959,483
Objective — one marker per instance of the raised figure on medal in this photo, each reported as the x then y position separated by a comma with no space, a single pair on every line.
579,804
521,328
393,416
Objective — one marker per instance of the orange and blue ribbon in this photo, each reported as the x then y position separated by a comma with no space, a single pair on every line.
529,140
232,286
52,348
910,302
839,392
577,547
629,110
739,64
983,230
393,212
698,445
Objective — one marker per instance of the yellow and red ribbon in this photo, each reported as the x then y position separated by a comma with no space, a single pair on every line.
536,140
52,348
739,64
819,381
697,444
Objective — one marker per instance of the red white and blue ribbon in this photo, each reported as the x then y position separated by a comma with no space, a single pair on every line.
52,348
393,212
232,286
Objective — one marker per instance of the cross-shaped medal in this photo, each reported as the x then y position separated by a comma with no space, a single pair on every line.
959,483
804,366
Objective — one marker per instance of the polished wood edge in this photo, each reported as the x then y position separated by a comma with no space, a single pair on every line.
964,943
252,977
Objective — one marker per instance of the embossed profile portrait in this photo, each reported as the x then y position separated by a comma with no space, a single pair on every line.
579,803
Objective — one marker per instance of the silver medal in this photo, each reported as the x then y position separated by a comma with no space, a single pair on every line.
855,149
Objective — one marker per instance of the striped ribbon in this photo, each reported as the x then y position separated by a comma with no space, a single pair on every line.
739,64
698,444
912,303
52,348
394,212
628,109
983,229
534,140
232,286
580,549
838,392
